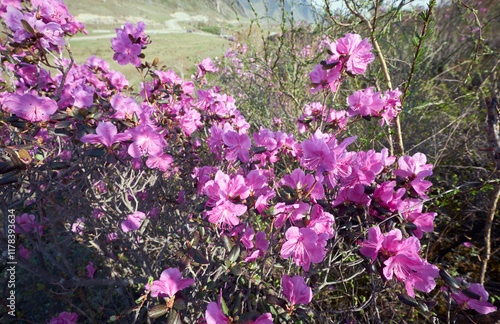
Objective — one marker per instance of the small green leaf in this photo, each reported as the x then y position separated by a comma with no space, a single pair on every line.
28,27
223,306
174,317
234,254
157,311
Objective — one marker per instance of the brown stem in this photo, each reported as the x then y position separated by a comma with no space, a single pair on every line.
494,139
487,234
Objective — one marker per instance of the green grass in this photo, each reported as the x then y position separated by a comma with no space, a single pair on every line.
178,52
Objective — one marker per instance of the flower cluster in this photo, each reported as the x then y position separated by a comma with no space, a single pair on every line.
129,43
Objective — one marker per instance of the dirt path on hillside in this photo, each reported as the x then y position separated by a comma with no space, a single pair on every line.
171,26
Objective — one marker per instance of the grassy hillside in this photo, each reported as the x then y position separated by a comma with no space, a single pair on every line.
174,28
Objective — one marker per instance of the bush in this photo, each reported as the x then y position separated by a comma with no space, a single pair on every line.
131,206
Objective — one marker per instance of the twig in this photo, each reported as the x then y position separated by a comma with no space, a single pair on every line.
494,139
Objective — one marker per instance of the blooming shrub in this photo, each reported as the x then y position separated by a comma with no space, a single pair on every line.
172,178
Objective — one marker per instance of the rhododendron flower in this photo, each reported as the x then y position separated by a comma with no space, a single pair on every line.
414,168
238,146
190,121
225,188
24,252
214,314
125,107
321,78
365,103
317,155
32,75
78,226
26,222
247,238
30,107
266,318
205,66
392,106
353,52
293,212
411,210
481,306
147,140
133,221
373,244
304,245
321,221
64,318
107,135
169,284
162,162
296,290
299,181
126,50
6,3
111,237
354,195
401,259
413,271
261,245
90,269
226,213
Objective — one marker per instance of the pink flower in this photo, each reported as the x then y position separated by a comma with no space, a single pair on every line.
226,213
392,106
147,140
248,237
261,245
401,259
126,50
293,212
78,226
411,210
481,306
317,155
266,318
64,318
125,107
321,221
190,121
296,290
321,79
26,222
365,103
298,180
30,107
305,245
413,271
133,221
162,162
205,66
214,314
169,284
90,269
225,188
238,146
24,252
414,169
353,52
373,244
111,237
107,135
